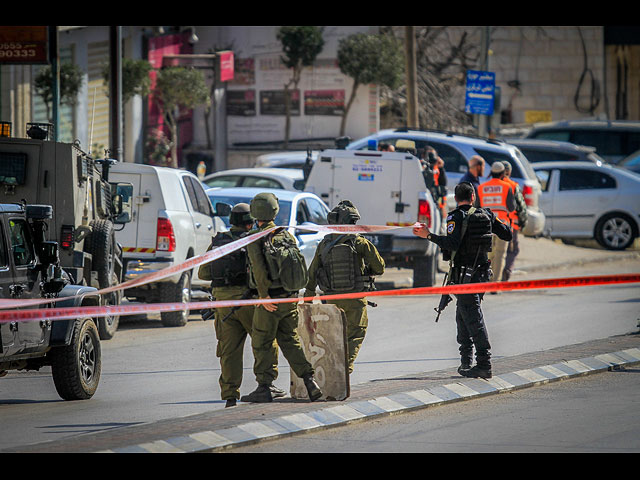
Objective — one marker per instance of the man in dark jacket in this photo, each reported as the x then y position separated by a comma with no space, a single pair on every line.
468,240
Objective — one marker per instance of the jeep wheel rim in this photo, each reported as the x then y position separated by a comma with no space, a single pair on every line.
616,232
87,357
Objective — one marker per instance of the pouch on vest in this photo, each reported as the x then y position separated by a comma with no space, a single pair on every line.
286,265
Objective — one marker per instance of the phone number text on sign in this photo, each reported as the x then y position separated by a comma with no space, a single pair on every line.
13,52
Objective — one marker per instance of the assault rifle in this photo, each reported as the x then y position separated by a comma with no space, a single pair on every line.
210,312
445,299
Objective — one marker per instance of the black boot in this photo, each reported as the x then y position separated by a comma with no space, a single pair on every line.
231,402
477,372
262,394
312,388
465,365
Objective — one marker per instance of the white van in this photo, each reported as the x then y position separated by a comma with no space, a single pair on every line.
388,189
172,220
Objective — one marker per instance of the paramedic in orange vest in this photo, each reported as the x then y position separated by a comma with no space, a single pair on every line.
498,195
518,221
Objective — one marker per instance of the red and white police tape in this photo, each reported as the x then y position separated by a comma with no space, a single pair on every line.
65,313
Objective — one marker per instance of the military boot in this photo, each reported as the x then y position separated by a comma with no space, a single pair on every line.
312,387
477,372
262,394
465,365
230,403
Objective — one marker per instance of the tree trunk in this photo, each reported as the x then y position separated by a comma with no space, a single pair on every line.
343,124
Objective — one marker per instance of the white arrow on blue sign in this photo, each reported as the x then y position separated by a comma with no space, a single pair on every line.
480,92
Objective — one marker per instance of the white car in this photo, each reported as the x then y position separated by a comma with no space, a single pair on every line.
172,221
278,178
293,159
297,209
590,200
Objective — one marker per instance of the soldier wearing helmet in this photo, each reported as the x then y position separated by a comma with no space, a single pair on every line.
274,324
345,263
229,281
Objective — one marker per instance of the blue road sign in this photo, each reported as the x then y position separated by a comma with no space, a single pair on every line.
480,92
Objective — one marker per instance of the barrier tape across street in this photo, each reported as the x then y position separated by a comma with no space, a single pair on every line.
66,313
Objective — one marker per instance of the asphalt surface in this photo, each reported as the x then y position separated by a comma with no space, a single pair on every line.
222,429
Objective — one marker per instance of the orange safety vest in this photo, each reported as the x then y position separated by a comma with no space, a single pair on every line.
513,215
436,182
493,195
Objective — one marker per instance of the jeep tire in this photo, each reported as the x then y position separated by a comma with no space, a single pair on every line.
76,367
176,292
102,247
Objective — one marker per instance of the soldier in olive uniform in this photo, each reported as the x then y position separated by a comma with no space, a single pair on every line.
351,271
229,281
468,240
273,322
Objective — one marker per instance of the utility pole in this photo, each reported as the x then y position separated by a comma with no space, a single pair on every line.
412,83
55,81
483,120
115,91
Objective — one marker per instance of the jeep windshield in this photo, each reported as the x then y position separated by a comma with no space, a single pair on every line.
281,219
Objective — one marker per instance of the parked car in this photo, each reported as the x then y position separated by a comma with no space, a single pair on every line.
613,140
555,151
297,209
293,159
30,269
388,189
172,221
632,162
456,150
280,178
586,200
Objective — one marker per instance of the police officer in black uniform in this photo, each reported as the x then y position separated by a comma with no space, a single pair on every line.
467,242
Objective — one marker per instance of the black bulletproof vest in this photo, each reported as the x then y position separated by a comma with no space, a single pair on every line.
476,242
231,269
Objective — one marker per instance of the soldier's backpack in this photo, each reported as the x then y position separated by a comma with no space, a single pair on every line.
231,269
341,267
286,265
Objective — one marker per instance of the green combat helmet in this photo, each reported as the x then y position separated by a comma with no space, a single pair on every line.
264,206
240,214
345,213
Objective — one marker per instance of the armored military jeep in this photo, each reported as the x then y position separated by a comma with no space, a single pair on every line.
39,171
30,268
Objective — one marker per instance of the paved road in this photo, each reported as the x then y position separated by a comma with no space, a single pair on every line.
574,416
153,374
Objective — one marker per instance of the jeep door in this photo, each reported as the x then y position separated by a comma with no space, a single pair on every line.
26,280
8,333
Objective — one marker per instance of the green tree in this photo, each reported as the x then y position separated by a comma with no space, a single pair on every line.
301,46
367,59
179,88
135,78
70,84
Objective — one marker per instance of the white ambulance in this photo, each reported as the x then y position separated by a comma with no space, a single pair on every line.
388,189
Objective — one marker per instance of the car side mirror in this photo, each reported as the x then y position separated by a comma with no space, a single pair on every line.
122,194
223,209
302,231
49,253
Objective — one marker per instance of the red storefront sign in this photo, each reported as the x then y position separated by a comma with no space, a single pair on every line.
226,66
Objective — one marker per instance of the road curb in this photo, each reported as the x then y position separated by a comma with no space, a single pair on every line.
342,413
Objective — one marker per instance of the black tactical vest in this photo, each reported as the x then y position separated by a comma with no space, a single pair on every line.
231,269
476,240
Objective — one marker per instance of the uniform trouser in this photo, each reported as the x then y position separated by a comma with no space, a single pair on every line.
231,335
356,312
471,330
512,252
270,331
497,255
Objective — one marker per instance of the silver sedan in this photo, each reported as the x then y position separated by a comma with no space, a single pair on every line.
590,200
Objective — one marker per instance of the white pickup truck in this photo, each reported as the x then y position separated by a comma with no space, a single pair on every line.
172,220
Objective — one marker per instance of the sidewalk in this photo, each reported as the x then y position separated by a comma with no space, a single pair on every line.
222,429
